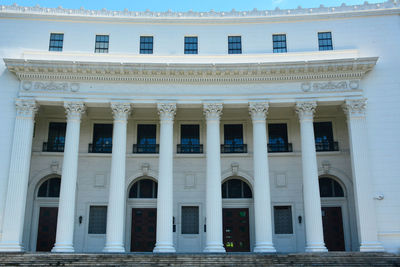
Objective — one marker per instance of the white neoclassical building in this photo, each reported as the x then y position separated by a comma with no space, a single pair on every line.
264,131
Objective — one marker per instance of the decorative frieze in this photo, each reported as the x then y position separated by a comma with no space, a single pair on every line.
355,107
330,86
26,107
166,111
50,86
258,110
306,109
212,110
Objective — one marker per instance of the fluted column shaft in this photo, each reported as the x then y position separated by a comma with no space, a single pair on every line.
66,206
312,201
261,189
116,198
362,180
164,242
18,177
214,242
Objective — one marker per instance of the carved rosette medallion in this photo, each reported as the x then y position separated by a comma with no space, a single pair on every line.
258,110
74,110
121,111
26,108
212,111
355,108
166,111
306,109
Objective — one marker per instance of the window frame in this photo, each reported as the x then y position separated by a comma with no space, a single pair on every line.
140,44
91,140
95,204
95,44
334,131
62,42
294,221
273,43
198,220
231,51
184,45
318,39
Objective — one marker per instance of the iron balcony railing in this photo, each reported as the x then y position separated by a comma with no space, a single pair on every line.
146,148
276,148
100,148
234,148
189,149
326,146
53,147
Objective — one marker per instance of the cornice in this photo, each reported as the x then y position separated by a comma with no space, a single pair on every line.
49,70
388,7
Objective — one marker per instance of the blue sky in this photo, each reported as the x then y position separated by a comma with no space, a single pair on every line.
183,5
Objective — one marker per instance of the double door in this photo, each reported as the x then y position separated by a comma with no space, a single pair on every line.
236,230
143,230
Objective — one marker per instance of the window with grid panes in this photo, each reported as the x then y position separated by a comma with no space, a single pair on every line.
234,44
191,45
190,220
283,220
325,41
146,44
97,219
102,42
56,42
279,43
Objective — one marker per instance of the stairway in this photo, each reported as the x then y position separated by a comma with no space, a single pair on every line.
343,259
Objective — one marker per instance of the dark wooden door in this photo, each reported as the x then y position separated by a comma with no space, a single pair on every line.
46,235
236,230
333,228
143,232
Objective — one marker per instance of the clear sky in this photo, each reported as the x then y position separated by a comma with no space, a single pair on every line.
184,5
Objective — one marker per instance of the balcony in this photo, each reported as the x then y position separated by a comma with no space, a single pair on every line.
100,148
146,148
276,148
326,146
53,147
233,148
189,149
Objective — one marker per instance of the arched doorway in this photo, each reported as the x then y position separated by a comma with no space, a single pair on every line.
334,213
237,203
142,205
46,202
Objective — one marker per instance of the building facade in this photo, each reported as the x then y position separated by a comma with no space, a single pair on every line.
264,131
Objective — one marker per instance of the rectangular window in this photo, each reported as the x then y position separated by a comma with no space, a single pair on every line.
97,219
190,139
278,138
324,137
279,43
146,139
234,44
146,44
283,220
191,45
56,137
102,138
190,220
56,41
325,41
102,42
233,139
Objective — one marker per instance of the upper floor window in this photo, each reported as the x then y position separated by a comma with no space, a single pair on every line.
146,139
144,188
324,137
97,220
234,44
233,139
56,42
146,44
330,188
102,138
325,41
191,46
279,43
190,139
102,42
283,220
50,188
56,138
278,138
235,188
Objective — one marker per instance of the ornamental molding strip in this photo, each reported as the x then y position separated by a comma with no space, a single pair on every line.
330,86
75,71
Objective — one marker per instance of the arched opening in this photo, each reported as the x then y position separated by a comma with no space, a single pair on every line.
237,197
47,196
144,188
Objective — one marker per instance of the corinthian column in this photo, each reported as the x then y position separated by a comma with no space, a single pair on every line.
312,201
164,241
66,206
18,176
116,198
362,180
262,199
213,184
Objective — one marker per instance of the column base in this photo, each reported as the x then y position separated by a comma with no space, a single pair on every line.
320,247
63,248
164,248
11,247
214,248
264,247
371,247
114,248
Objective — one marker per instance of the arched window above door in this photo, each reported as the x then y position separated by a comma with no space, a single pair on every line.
328,187
144,188
50,188
236,188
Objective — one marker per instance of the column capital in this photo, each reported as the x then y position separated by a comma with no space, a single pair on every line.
166,111
120,111
213,111
258,110
355,107
74,110
306,109
26,108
